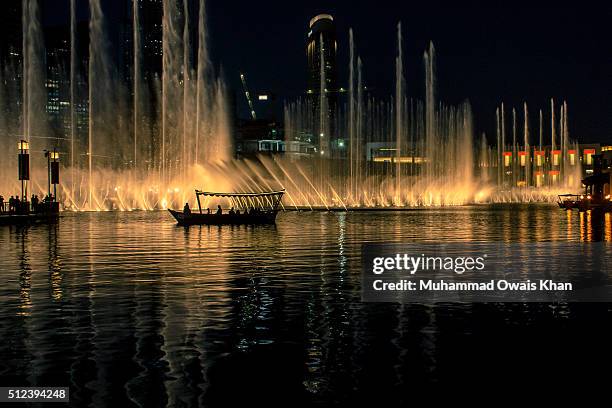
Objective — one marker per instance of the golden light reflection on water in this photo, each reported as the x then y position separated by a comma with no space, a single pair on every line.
172,301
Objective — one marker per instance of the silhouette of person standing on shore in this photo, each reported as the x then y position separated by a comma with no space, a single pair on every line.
35,202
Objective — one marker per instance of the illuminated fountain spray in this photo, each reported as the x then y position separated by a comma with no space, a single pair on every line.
428,157
399,126
134,156
137,79
537,171
168,154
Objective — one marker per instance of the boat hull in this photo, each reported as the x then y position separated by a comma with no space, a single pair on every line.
585,205
268,217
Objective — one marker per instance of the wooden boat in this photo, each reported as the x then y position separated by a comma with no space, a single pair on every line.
596,194
255,208
584,202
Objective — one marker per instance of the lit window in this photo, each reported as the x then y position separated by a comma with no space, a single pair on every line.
507,159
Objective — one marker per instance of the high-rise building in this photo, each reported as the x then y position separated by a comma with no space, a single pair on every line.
10,31
321,49
57,83
11,71
57,76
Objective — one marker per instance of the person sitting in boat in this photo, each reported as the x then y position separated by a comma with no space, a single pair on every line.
219,210
186,209
208,211
231,211
1,205
237,211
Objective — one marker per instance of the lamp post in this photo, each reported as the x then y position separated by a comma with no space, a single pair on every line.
52,172
24,167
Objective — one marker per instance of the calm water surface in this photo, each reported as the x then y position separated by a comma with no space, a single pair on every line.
128,310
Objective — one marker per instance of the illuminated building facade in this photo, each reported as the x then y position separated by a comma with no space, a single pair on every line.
547,167
321,50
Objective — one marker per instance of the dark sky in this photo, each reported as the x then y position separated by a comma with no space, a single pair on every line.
488,52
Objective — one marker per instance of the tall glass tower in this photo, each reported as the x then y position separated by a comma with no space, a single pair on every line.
321,49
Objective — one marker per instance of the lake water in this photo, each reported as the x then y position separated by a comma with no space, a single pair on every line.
127,309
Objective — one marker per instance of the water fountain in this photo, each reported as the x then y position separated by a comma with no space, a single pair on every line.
142,171
137,157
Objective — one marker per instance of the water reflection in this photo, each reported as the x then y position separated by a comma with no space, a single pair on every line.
128,309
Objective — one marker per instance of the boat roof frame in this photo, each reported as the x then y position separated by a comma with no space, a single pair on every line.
252,194
273,197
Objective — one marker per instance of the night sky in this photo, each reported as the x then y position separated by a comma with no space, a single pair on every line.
487,53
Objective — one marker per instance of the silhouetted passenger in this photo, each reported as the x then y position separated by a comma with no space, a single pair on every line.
208,211
186,209
219,210
34,203
1,205
237,212
231,211
17,205
11,204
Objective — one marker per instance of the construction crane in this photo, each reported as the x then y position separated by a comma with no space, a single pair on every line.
248,95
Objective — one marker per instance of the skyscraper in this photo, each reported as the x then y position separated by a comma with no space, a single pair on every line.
321,49
11,72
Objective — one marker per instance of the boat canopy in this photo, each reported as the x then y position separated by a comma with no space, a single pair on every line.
264,200
266,193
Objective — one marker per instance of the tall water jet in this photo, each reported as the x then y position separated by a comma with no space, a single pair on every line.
94,16
102,140
430,113
137,80
500,174
25,20
169,44
503,139
186,85
73,85
514,161
358,132
553,125
351,112
34,94
526,149
399,99
541,130
203,72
